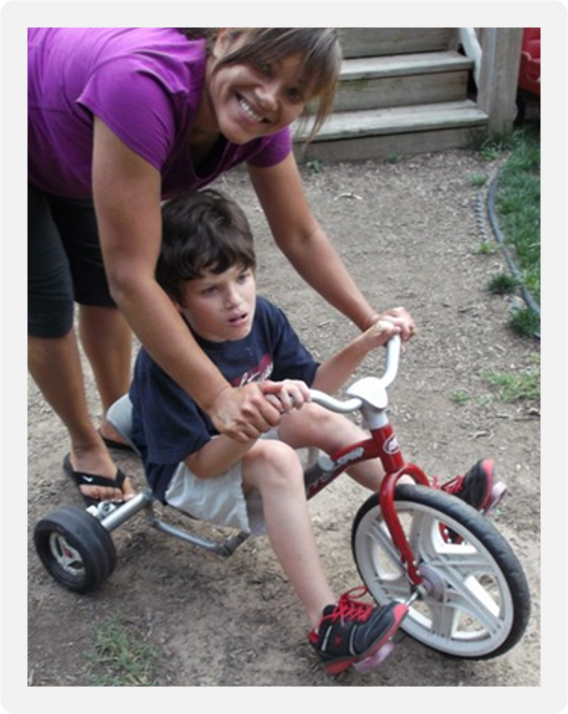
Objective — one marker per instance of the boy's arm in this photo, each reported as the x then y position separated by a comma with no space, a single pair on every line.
335,371
221,453
217,456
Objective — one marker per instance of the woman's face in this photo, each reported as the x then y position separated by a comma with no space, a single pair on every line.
254,98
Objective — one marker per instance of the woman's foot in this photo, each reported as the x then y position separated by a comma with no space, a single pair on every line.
91,470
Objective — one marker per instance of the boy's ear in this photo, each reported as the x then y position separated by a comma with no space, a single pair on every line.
178,306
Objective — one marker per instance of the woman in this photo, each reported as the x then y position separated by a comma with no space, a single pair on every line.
120,119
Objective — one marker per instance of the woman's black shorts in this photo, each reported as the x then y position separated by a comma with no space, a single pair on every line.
65,263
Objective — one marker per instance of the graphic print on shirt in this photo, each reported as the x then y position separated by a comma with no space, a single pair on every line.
256,374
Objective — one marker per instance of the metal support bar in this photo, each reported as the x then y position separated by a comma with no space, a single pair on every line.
224,548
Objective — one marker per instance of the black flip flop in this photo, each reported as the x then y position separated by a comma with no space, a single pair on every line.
80,478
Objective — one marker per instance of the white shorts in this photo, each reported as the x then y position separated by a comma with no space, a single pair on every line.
221,499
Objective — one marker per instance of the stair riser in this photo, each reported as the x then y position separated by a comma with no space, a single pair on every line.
374,42
379,93
389,146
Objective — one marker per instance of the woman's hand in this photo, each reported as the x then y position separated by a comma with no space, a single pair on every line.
244,413
399,318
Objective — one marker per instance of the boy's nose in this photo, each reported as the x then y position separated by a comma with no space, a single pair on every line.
232,297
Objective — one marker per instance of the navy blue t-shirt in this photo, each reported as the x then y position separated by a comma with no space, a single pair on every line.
168,425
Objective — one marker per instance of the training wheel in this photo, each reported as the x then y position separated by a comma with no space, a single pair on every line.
75,549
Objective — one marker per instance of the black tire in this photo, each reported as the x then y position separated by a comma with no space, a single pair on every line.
75,549
478,600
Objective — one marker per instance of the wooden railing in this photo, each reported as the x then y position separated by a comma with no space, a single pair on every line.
496,54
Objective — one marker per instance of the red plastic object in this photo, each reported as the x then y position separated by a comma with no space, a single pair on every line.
529,70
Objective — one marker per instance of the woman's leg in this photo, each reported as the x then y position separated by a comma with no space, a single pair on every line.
107,341
55,366
53,355
275,470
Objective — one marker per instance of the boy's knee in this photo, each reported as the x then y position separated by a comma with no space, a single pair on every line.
273,463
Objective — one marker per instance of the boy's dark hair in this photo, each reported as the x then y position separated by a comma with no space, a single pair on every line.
201,231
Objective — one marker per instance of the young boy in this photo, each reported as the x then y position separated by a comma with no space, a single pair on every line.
207,267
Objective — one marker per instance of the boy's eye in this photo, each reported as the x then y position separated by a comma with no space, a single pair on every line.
210,290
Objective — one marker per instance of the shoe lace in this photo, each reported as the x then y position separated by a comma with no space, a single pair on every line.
453,487
348,608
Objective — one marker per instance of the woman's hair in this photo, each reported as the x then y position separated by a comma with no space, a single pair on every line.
201,231
319,48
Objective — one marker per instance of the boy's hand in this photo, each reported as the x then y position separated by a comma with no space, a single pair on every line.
378,334
292,395
401,319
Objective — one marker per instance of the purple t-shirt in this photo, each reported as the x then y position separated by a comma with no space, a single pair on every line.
145,84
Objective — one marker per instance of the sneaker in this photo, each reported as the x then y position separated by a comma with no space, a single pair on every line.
352,631
475,486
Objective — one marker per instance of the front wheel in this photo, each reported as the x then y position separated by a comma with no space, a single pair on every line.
477,603
75,549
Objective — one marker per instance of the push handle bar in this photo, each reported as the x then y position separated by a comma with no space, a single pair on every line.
378,385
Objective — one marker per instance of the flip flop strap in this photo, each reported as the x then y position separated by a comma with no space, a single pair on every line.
85,479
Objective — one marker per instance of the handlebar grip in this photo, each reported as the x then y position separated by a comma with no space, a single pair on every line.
335,405
393,359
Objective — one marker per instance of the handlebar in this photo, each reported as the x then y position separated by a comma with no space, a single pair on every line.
369,390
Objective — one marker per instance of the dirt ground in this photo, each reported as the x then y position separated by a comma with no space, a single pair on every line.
410,234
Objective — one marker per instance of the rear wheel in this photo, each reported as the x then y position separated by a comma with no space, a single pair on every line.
75,549
477,604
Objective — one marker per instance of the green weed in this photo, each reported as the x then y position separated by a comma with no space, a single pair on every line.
517,385
120,659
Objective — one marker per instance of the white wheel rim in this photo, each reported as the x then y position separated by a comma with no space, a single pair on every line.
470,610
68,558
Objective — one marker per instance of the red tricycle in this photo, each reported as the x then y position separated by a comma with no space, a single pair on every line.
465,589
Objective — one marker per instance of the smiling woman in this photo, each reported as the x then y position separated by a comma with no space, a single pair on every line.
316,51
119,120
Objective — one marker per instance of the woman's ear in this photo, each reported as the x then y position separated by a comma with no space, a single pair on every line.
222,42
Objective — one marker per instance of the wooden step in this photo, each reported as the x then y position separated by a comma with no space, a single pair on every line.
376,41
355,136
402,80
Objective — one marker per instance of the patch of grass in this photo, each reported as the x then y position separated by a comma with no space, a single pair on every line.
515,385
487,248
119,658
492,147
517,205
517,208
525,322
393,158
314,166
478,179
460,397
503,284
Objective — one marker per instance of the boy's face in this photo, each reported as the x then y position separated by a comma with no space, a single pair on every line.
221,307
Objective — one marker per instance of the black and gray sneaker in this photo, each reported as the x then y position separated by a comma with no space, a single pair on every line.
353,631
477,487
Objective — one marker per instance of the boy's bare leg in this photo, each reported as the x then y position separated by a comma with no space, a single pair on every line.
274,469
107,340
55,365
313,425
